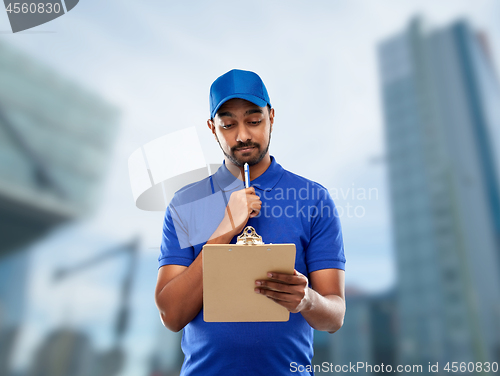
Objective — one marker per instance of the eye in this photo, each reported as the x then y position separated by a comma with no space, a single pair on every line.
257,122
226,126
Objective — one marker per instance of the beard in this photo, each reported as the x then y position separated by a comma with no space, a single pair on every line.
240,163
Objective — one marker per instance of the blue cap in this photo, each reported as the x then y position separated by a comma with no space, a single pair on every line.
238,84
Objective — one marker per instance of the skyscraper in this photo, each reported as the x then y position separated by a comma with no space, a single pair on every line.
442,130
368,333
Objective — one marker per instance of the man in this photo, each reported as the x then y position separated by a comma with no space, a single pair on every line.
283,208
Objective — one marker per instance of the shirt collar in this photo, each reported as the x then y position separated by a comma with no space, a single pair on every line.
267,181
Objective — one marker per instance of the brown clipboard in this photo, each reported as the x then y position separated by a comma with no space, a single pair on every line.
229,275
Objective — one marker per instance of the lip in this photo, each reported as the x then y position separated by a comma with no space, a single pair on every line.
243,150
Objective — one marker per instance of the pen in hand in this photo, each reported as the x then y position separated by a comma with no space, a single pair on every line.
247,175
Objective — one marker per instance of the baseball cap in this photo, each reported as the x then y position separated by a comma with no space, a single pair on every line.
237,84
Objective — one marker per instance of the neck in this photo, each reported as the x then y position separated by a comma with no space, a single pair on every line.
255,170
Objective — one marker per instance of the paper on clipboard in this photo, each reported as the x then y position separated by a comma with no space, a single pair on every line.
229,275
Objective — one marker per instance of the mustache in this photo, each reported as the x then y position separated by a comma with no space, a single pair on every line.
245,145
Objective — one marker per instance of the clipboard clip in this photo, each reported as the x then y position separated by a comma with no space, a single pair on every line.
249,237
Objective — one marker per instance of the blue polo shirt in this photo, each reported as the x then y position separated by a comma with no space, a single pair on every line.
294,210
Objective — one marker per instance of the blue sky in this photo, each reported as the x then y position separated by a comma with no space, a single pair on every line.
155,61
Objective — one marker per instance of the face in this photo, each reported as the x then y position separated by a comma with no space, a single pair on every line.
243,131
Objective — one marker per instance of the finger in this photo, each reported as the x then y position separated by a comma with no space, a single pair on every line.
287,305
297,273
255,209
289,279
253,200
255,206
277,286
254,214
275,295
250,191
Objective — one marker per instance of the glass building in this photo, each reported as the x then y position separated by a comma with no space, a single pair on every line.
442,125
54,143
55,139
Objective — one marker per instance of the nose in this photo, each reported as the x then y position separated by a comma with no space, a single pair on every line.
244,134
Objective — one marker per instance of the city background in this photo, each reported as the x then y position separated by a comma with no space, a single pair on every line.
393,106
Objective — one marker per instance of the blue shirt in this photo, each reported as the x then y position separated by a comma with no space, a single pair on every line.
294,210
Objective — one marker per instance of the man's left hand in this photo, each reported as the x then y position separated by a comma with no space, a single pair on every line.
289,290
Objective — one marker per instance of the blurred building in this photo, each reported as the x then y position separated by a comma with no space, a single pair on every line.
442,119
55,140
65,352
167,356
54,146
13,279
368,334
69,352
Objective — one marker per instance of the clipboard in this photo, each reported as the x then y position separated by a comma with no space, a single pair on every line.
229,275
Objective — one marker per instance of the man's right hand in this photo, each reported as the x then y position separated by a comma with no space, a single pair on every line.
243,204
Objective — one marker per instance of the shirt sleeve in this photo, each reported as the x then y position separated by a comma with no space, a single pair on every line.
174,230
326,245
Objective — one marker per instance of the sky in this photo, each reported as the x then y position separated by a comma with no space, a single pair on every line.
155,61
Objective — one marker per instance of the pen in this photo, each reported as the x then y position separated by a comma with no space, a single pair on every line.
247,176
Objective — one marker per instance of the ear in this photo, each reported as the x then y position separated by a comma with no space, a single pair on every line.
211,126
271,117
